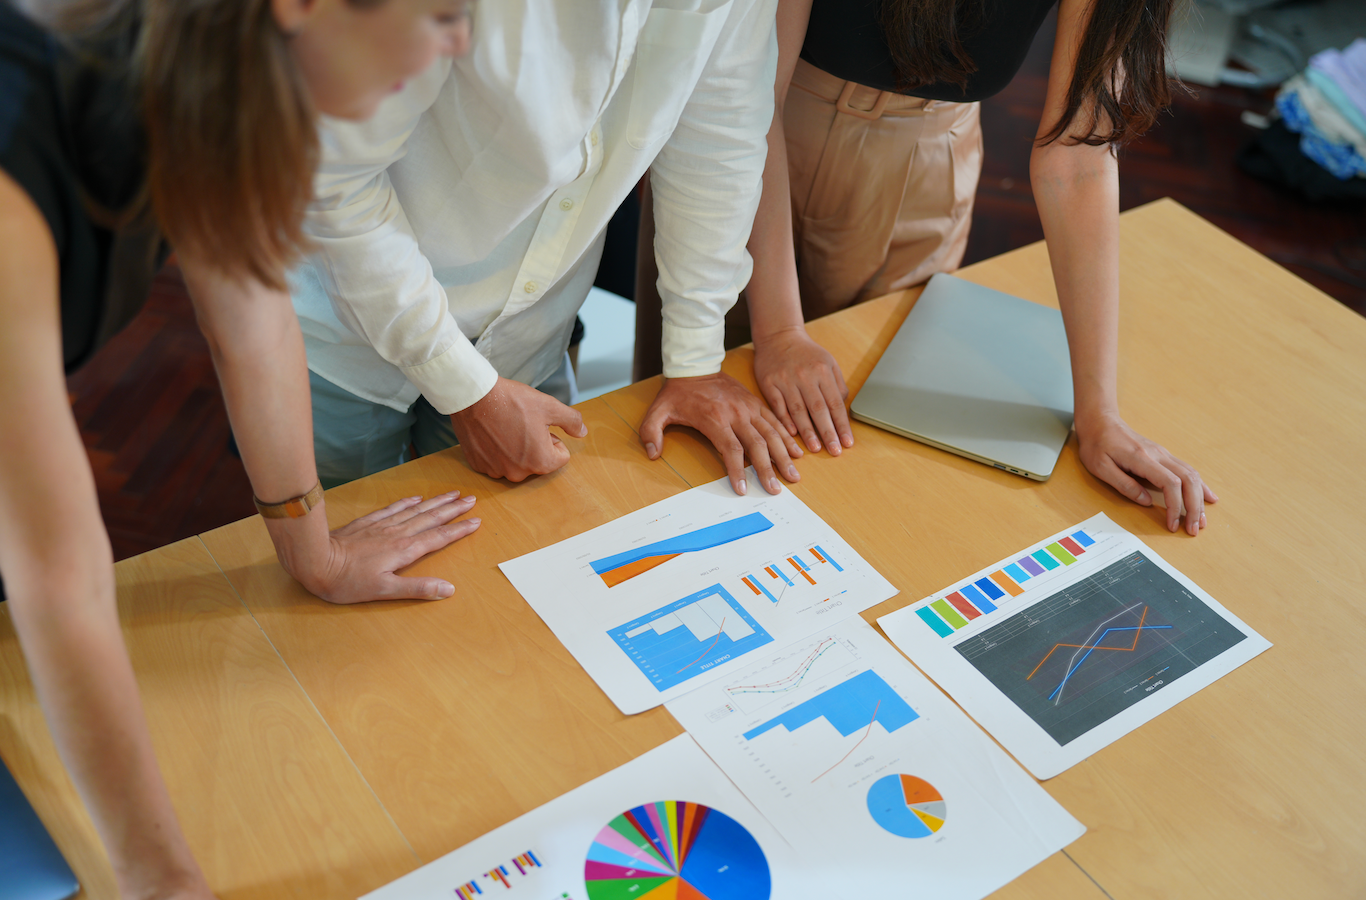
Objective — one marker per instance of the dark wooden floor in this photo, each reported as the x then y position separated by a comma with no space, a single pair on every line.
149,409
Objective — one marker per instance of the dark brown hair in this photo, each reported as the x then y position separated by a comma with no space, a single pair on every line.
231,133
1119,84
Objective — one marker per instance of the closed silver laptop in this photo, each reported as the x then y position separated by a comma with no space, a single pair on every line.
979,373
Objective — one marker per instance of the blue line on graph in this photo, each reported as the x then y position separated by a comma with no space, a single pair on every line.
701,539
1063,683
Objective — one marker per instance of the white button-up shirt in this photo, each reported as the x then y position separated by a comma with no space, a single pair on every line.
457,233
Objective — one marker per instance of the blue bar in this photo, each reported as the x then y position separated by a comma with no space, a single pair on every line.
977,598
828,558
990,588
1045,559
1014,571
781,574
754,580
940,627
801,562
1082,538
533,858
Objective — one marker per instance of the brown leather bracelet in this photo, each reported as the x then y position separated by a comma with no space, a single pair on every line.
293,508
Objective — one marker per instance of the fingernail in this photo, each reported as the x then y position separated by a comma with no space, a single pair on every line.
475,521
1144,498
848,440
446,590
742,487
815,445
791,474
774,486
834,448
650,450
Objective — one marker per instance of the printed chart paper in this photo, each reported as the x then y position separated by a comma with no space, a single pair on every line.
667,824
856,757
678,593
1067,646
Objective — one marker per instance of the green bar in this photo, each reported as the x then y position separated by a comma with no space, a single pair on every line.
1057,550
949,613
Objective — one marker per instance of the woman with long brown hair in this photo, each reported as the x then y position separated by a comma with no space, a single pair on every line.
192,119
874,157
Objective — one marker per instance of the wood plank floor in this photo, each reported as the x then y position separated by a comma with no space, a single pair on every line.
153,421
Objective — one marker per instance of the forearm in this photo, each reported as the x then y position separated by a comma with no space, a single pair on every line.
772,294
258,352
1076,189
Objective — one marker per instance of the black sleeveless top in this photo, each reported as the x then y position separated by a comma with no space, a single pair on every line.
845,39
70,137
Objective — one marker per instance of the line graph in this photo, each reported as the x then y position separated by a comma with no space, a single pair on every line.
853,748
788,674
1132,629
1075,663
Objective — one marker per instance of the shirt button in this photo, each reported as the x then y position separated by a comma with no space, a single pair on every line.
594,138
529,287
566,204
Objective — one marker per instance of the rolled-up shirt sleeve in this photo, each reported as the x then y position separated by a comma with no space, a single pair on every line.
706,183
368,260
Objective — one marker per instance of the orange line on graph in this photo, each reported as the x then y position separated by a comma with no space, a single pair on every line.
708,650
1137,634
853,748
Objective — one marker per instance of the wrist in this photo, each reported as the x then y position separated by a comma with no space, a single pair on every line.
303,546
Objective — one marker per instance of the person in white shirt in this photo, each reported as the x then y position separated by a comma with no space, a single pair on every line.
457,233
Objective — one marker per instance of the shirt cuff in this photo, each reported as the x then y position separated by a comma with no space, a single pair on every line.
456,379
690,352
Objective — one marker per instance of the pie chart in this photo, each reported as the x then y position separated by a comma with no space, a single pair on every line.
675,850
907,806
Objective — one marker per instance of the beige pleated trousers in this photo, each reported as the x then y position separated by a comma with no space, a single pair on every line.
882,191
882,187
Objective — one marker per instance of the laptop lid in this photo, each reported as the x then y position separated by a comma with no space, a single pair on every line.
979,373
31,866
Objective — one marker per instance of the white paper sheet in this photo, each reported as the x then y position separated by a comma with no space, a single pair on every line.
1058,654
854,756
678,593
568,850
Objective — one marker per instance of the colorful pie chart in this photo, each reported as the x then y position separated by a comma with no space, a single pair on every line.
907,806
675,850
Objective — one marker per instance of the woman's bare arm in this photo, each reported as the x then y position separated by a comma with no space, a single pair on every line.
800,380
1076,189
59,576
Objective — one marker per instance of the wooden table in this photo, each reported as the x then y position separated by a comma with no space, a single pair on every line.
321,751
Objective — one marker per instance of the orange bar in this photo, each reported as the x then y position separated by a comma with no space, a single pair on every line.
801,570
1008,583
817,554
769,570
750,585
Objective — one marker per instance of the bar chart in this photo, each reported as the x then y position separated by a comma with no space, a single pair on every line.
957,608
689,636
849,706
801,568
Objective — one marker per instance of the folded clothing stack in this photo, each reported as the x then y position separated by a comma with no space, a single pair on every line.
1326,106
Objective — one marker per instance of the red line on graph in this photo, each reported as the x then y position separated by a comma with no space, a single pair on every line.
1137,634
800,671
708,650
853,748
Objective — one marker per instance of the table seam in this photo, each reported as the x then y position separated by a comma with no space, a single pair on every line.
1098,885
328,725
636,432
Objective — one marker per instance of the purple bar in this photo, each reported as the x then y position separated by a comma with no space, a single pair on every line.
1030,565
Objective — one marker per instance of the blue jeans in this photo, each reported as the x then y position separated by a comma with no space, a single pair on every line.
353,437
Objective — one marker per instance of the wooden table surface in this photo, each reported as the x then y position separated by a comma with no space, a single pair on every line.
320,751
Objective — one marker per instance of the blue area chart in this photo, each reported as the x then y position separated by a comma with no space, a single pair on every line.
850,706
623,566
689,636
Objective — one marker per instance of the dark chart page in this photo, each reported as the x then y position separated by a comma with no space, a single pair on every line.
1092,650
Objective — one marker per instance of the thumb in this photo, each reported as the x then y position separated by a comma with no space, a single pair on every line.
567,418
400,588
